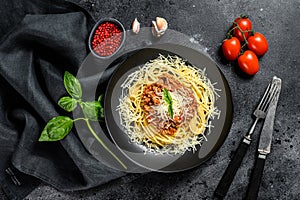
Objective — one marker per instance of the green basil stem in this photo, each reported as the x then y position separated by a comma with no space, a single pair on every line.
102,143
77,119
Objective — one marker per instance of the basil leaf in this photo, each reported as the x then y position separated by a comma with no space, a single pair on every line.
56,129
168,99
170,111
72,85
166,96
67,103
93,110
100,98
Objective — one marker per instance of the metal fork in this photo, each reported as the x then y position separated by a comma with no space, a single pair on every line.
259,113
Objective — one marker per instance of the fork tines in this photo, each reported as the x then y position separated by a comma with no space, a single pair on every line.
271,92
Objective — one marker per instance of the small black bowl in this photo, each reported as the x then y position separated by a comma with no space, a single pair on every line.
119,25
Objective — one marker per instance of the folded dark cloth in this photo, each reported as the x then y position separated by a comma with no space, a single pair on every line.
34,55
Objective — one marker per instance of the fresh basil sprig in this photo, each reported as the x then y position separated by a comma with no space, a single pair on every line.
58,127
168,100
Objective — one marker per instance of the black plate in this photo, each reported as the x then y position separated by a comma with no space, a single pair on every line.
168,163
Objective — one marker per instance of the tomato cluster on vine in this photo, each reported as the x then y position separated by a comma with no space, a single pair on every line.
244,45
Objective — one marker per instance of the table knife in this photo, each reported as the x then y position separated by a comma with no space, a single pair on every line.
264,148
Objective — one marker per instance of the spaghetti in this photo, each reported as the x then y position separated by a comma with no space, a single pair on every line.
166,105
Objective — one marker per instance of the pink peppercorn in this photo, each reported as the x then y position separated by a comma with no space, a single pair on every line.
106,39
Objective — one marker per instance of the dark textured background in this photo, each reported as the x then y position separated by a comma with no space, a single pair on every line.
206,22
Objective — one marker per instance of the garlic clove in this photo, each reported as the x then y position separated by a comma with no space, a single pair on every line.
161,23
154,28
136,26
159,26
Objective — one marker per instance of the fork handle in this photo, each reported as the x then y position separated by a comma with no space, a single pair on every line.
256,176
232,168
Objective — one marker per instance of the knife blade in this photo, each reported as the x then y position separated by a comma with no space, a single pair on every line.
264,146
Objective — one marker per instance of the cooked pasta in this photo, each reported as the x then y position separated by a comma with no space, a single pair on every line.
167,105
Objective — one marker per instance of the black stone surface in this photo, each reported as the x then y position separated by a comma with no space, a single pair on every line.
206,22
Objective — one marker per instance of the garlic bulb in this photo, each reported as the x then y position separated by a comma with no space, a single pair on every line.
159,26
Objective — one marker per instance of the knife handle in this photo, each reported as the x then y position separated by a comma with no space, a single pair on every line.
256,176
232,168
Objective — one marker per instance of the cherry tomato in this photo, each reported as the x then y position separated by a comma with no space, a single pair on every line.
231,48
258,44
245,25
248,62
